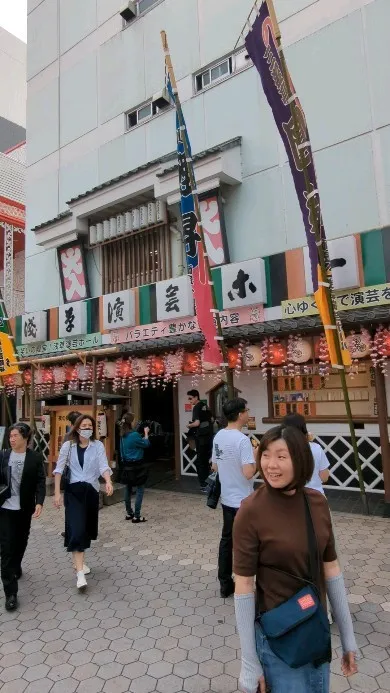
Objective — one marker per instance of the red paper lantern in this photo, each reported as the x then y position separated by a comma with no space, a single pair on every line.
125,371
157,366
27,376
386,343
190,363
232,357
276,354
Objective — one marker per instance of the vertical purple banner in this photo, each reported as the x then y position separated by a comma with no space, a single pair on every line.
263,50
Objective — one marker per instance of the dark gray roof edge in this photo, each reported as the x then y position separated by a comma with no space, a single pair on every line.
60,216
161,160
225,146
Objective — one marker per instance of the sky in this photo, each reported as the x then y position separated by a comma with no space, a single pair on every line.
13,17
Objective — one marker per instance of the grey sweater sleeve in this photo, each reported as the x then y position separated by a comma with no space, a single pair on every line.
337,594
251,669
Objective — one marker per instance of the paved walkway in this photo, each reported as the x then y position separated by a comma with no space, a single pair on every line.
152,619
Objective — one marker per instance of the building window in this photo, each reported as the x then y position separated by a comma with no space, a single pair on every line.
144,5
222,70
141,258
143,113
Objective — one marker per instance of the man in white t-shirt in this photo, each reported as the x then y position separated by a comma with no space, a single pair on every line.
234,459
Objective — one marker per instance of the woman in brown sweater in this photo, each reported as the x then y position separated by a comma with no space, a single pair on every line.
272,533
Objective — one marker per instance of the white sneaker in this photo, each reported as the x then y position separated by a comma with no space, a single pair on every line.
86,570
81,581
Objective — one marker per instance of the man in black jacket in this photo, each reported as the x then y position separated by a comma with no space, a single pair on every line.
23,479
202,429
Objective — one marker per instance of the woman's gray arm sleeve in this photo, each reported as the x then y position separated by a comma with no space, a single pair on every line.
337,594
251,669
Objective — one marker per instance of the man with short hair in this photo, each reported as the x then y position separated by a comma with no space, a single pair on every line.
72,418
202,429
234,459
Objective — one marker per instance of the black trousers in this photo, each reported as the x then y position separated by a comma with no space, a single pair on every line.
225,558
14,533
203,455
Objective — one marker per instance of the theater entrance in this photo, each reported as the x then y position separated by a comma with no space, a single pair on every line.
159,410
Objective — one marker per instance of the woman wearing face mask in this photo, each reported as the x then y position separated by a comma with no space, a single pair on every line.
87,461
23,480
283,539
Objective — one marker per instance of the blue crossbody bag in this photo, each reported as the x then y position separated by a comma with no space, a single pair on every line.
298,630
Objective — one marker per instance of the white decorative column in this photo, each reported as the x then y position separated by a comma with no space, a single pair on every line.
9,268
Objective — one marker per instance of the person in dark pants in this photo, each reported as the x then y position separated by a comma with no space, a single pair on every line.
134,469
23,472
234,460
201,429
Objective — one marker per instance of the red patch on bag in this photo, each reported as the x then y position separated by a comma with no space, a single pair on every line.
306,602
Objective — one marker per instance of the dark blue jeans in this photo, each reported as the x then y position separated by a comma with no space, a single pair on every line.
139,494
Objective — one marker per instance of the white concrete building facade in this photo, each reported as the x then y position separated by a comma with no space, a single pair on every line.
100,142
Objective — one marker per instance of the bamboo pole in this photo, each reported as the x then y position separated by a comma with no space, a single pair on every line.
94,389
323,259
191,175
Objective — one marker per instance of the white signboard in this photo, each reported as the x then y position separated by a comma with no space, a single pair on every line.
34,327
344,261
118,310
243,283
72,319
174,298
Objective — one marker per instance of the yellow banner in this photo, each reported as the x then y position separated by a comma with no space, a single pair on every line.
366,297
8,357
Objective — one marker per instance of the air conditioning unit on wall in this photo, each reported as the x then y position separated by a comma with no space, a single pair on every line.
128,11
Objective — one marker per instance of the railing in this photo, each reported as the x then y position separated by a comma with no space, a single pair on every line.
338,449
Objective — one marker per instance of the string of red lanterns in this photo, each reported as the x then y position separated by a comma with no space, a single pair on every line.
271,353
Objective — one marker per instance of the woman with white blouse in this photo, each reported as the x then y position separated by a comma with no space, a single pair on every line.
87,461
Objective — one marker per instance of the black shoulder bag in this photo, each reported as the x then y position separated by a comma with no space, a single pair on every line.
298,630
214,490
65,478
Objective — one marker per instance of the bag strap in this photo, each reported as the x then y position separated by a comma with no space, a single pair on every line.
313,553
67,461
314,563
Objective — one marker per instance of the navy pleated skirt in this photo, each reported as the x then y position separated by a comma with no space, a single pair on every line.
81,503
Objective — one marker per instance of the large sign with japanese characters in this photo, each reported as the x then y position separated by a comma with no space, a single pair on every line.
34,327
213,229
187,325
344,262
118,310
243,284
367,297
73,272
72,319
59,346
174,298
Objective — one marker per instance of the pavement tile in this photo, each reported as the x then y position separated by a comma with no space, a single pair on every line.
149,625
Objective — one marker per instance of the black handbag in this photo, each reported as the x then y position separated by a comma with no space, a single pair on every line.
65,478
214,492
5,481
298,630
